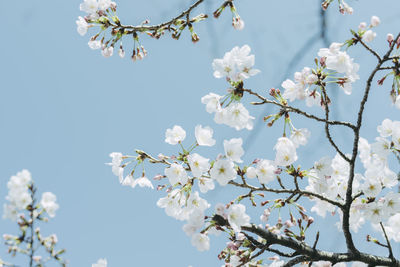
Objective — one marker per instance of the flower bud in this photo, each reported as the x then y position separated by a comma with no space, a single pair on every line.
362,26
375,21
390,38
238,23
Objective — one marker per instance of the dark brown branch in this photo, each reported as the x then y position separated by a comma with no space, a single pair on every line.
295,261
327,131
296,110
157,27
349,199
368,48
288,191
315,254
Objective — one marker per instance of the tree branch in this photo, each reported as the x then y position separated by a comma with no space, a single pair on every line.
157,27
315,254
327,132
296,110
288,191
349,198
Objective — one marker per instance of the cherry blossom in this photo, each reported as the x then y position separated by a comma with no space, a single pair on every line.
175,135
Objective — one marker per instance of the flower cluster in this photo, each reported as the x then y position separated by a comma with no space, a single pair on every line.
365,30
188,176
329,178
18,194
24,208
309,84
102,14
236,65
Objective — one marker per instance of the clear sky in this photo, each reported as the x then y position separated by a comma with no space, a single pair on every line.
64,108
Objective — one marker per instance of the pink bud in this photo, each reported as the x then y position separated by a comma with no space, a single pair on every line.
390,38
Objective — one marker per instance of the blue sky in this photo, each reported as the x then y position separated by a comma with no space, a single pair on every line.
64,108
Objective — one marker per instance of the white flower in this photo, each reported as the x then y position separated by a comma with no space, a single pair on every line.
175,135
100,263
176,174
375,21
89,6
300,136
201,242
381,147
265,171
323,166
292,90
204,136
212,102
392,202
195,222
94,44
128,181
386,128
205,184
236,65
198,164
196,202
333,49
341,62
107,51
233,149
374,212
82,26
143,182
223,171
251,172
104,4
172,204
49,204
236,116
371,188
285,152
369,36
18,194
237,216
116,165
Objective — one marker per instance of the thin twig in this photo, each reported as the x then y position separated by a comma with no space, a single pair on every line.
296,110
389,246
327,131
143,28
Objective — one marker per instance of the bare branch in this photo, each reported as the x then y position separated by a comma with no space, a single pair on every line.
296,110
367,47
328,133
